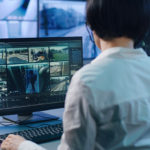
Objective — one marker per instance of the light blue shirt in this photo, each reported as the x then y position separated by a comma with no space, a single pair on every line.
108,104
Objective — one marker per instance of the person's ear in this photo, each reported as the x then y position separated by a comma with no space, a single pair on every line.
97,40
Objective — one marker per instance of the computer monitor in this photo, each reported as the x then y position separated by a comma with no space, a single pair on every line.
35,73
66,18
18,18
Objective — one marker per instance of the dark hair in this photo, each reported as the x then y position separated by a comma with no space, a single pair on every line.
116,18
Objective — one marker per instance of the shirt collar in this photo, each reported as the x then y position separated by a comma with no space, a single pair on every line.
120,52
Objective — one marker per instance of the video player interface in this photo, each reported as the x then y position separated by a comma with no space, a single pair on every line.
37,72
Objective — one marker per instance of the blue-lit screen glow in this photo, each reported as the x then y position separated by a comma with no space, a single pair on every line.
57,18
66,19
18,18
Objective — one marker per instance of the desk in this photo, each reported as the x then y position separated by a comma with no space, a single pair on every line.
52,145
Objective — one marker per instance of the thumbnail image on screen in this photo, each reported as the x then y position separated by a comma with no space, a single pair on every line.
3,81
59,53
27,78
59,85
2,56
17,55
59,68
38,54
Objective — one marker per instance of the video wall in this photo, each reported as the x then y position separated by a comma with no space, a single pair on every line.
50,18
46,18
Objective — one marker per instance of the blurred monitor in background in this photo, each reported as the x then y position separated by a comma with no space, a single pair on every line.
18,18
57,18
61,18
144,43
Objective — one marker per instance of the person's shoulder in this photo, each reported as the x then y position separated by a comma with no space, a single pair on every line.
101,71
92,72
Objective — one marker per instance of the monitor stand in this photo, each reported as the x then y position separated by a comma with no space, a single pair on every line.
30,118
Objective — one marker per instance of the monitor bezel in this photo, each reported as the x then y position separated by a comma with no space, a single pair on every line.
43,106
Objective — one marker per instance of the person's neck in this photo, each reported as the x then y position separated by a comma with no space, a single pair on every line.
117,42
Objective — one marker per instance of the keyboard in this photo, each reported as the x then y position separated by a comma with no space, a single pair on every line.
40,134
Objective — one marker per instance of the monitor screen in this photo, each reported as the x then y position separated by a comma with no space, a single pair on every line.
35,73
61,18
18,18
144,43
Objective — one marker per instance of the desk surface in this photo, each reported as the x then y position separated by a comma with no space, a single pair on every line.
52,145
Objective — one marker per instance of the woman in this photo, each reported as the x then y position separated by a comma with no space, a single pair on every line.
108,102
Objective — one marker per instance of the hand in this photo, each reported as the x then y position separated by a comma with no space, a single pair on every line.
12,142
